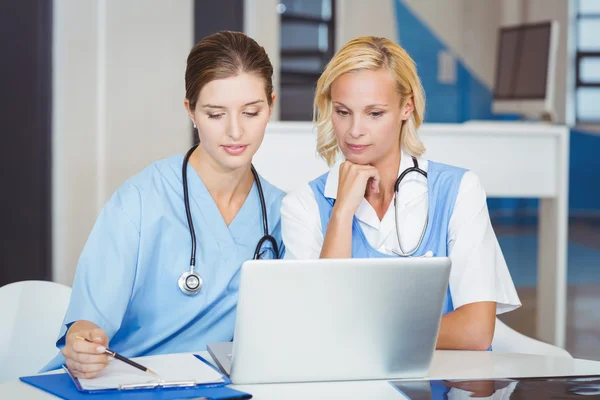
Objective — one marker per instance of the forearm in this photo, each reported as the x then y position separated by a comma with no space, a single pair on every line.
338,238
470,327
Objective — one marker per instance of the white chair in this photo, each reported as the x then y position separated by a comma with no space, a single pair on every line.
507,340
31,313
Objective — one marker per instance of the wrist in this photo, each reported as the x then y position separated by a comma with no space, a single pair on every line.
341,215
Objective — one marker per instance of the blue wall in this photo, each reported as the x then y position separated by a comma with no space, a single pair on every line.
466,99
469,98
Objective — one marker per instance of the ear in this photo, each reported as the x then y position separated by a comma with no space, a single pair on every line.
272,103
408,109
186,103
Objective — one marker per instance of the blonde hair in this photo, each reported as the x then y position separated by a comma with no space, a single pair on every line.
370,53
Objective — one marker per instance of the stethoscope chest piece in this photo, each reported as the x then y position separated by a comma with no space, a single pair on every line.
190,282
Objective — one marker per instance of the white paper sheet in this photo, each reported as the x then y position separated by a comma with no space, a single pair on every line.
170,368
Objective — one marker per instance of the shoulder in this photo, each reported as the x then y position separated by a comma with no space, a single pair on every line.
299,200
168,169
322,179
468,179
131,194
471,204
450,176
446,169
471,189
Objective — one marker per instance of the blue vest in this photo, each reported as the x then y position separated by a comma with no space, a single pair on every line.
443,182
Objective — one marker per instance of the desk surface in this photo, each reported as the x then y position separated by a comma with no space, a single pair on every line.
446,365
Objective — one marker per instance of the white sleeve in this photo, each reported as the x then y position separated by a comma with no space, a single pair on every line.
301,225
479,271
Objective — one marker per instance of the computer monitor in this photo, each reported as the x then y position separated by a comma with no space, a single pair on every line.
525,69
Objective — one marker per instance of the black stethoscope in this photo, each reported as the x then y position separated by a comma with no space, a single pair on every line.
403,253
190,282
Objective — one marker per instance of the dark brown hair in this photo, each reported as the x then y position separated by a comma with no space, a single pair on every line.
223,55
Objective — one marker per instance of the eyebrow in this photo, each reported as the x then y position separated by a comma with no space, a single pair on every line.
222,107
367,107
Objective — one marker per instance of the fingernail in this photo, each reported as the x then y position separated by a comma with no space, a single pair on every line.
97,339
100,349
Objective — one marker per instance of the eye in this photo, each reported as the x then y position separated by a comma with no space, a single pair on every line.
343,113
251,114
215,116
376,114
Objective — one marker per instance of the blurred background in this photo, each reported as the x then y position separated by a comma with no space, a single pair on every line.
92,92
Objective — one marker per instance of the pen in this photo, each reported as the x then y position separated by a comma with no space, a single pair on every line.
120,357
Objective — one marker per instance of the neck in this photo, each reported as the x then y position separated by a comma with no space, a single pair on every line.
228,187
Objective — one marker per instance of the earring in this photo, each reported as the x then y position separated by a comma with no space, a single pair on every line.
195,126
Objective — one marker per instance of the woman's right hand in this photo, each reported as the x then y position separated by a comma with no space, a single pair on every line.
352,186
85,359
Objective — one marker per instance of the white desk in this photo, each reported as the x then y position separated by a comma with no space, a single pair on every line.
445,365
512,159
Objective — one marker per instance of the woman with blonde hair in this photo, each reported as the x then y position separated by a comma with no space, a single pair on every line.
383,199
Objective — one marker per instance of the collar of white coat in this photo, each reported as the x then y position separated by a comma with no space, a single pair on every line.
331,186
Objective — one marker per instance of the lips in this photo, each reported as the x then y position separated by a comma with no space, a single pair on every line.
235,149
357,148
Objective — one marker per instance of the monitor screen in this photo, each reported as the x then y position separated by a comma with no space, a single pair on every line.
522,64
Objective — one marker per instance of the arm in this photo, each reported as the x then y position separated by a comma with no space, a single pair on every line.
353,181
301,223
470,327
480,283
338,238
103,284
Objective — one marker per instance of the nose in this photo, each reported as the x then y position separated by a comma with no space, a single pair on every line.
235,130
356,130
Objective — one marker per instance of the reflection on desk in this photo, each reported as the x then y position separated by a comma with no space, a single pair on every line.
514,389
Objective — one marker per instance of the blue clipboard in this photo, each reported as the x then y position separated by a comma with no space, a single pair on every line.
66,387
156,385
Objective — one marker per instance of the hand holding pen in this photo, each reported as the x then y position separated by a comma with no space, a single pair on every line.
85,359
87,351
119,357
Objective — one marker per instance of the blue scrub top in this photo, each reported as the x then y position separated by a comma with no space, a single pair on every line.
126,279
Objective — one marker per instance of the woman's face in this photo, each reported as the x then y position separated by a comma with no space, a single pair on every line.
231,116
367,115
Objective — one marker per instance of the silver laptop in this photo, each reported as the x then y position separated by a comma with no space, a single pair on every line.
335,319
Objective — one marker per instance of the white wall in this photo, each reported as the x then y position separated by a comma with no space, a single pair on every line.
118,77
74,131
543,10
364,18
261,22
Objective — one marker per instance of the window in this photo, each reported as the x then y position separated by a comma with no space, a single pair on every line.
307,44
587,84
